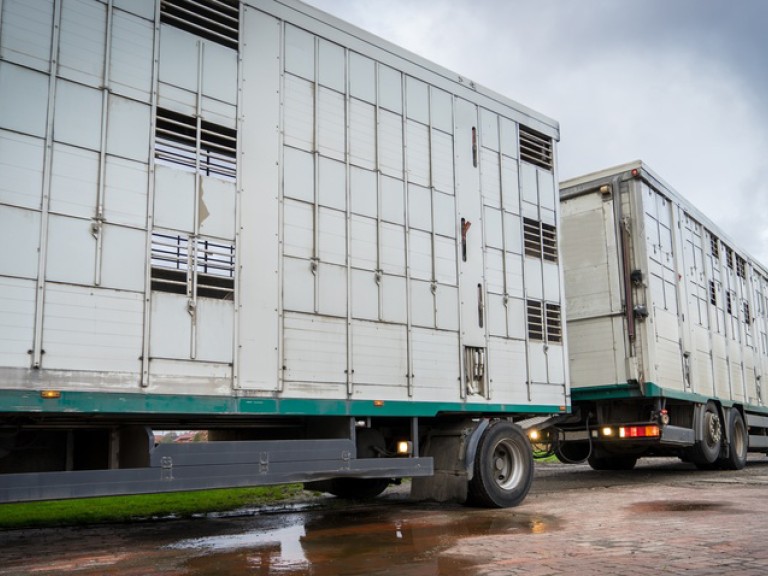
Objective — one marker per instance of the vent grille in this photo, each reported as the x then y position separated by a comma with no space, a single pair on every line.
176,143
554,323
712,293
215,20
741,267
535,148
549,242
179,262
532,238
535,320
539,240
714,247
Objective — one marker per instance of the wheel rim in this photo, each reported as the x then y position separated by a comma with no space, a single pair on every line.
712,424
506,474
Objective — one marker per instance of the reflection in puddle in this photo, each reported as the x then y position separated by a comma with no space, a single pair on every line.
379,541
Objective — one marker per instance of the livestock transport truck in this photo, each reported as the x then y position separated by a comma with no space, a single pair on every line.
254,219
667,328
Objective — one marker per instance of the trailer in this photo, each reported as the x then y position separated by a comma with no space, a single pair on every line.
667,328
254,219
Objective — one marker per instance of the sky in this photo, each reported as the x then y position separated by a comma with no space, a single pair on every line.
679,84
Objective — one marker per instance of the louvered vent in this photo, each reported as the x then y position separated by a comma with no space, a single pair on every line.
176,143
532,238
535,320
554,323
216,20
535,148
549,242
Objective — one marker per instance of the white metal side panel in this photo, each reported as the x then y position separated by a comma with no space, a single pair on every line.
25,35
171,334
298,175
17,318
215,330
174,199
77,118
422,304
92,329
130,69
332,290
81,42
469,208
257,244
128,128
362,134
363,190
71,250
380,358
21,164
125,193
591,354
393,299
508,375
187,377
447,307
24,94
298,285
298,229
365,295
74,181
219,67
315,349
123,258
331,185
217,207
436,369
392,248
363,245
20,229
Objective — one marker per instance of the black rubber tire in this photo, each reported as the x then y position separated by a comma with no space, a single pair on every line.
503,467
573,452
705,452
613,462
738,443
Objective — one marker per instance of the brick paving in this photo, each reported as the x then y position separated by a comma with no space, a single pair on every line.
696,529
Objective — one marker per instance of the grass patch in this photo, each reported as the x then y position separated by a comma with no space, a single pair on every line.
144,506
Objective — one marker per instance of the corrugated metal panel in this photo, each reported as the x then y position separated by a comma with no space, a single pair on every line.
92,329
379,355
17,318
362,134
315,348
417,153
298,125
333,236
422,304
332,190
507,373
331,123
128,129
20,229
81,41
514,267
24,94
442,160
25,32
436,368
490,178
494,271
123,258
21,163
391,143
509,140
77,117
130,69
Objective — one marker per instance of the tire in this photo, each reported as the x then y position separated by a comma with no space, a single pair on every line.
370,443
573,452
738,442
613,462
503,467
705,452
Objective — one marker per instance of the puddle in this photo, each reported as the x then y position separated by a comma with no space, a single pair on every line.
378,542
676,506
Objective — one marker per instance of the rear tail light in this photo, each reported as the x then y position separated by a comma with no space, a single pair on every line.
639,431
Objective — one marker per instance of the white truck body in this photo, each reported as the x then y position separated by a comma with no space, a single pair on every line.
253,208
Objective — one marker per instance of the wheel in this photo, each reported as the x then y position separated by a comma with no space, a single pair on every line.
738,442
705,452
573,452
613,462
503,467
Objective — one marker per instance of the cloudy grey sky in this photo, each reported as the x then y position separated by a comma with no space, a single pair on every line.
680,84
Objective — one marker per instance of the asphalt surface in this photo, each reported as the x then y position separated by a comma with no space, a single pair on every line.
663,518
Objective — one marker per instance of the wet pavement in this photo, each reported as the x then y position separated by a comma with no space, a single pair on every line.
663,518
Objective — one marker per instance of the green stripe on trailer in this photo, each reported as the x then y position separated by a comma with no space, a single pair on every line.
21,401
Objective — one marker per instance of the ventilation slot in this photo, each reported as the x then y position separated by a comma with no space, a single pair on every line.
535,321
170,262
216,20
535,148
554,324
741,267
532,238
549,242
176,144
712,293
177,260
714,247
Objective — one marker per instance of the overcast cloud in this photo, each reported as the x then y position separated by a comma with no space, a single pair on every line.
679,84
